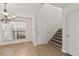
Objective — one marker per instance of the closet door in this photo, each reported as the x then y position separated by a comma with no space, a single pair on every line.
42,32
73,33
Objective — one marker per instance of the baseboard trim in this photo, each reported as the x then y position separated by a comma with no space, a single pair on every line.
13,42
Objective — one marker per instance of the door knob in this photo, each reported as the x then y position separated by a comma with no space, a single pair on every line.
67,35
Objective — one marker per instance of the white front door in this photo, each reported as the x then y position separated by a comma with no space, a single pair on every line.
73,33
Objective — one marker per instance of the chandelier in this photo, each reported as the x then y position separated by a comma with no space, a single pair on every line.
5,17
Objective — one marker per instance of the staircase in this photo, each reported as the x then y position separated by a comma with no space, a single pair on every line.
56,40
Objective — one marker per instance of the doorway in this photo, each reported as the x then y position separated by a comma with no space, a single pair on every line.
73,32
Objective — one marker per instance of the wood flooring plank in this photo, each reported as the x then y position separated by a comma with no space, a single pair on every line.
28,49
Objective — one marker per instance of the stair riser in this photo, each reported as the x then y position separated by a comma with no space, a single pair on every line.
59,48
57,35
59,31
57,42
57,39
57,45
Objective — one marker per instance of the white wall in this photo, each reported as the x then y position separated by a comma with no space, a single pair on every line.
34,30
47,20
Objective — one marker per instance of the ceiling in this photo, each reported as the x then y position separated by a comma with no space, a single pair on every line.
61,5
22,9
28,9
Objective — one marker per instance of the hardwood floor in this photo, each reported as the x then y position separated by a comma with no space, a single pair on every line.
28,49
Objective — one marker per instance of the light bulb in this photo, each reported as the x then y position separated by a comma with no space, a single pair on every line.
3,21
13,17
9,17
5,13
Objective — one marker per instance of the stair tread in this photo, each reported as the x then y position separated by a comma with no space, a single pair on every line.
58,45
59,32
59,29
59,48
58,35
56,40
60,38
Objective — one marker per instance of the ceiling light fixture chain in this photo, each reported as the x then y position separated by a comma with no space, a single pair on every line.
5,7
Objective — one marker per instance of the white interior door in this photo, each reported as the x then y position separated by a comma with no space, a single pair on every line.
73,33
42,32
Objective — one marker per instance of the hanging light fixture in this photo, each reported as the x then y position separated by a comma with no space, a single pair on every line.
5,17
